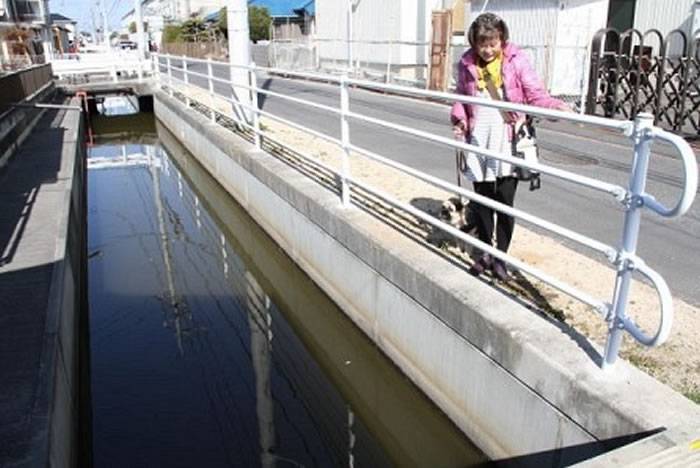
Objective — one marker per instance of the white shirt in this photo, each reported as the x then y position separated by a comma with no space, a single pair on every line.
490,132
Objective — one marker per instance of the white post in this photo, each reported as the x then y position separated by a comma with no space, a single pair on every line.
156,69
186,80
348,34
114,71
254,93
170,76
239,52
633,216
210,74
139,30
345,139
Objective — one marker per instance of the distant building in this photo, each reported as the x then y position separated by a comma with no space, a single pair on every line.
63,30
30,16
390,35
290,18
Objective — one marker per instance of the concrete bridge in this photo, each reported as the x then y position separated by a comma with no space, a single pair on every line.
525,389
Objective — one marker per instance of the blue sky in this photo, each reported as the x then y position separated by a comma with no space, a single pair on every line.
80,10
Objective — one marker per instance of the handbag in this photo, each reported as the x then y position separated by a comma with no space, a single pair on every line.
523,144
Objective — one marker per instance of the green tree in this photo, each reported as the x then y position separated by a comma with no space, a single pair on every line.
194,30
259,21
172,33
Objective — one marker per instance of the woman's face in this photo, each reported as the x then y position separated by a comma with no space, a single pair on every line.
489,48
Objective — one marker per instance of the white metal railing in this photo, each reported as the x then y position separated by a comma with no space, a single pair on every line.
634,197
112,64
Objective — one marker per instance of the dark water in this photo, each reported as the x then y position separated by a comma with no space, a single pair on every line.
211,348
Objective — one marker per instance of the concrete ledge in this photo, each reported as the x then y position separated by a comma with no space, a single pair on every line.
43,283
516,384
17,123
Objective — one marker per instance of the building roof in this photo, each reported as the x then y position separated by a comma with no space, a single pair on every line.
286,8
277,8
59,18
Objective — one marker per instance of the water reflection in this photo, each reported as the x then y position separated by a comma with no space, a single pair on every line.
116,105
211,348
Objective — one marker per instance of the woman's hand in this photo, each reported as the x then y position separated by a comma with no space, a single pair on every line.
459,130
564,107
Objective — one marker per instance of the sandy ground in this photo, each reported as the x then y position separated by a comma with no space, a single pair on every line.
676,363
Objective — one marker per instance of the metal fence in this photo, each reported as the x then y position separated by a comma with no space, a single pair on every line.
634,72
17,86
634,197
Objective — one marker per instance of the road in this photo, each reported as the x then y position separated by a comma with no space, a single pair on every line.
668,245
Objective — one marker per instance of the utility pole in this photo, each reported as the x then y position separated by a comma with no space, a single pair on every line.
239,54
348,34
139,29
105,27
94,26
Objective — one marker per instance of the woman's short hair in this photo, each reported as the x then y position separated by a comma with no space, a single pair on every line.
487,26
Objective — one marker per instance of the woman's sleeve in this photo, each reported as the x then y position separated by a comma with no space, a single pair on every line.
533,89
458,113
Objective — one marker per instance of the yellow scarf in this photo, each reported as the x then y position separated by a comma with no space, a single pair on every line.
490,72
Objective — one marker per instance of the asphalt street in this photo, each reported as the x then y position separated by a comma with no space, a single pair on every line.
668,245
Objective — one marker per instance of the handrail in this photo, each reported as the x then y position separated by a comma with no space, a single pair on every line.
690,169
666,311
641,131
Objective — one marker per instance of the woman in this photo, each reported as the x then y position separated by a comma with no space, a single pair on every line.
493,68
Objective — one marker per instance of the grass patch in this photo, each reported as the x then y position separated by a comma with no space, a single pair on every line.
693,395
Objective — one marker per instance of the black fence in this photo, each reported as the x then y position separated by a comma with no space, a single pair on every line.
633,72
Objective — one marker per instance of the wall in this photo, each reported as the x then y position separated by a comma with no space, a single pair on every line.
665,16
521,387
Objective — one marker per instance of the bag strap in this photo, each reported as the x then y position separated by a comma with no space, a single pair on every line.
491,88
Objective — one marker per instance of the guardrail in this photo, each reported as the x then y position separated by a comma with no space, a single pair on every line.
110,64
633,197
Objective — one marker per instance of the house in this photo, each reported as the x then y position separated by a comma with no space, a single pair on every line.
28,26
290,18
388,36
63,32
154,14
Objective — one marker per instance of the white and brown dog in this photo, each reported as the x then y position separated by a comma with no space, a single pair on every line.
456,213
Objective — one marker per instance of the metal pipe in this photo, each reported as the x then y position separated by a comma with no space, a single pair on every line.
345,139
616,322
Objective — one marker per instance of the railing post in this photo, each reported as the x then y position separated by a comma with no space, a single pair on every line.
210,74
156,70
253,82
114,71
170,76
185,79
345,139
643,124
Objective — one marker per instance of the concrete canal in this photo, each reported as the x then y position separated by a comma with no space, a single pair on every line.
210,347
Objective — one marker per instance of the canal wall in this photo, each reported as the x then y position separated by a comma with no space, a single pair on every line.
25,87
523,388
42,297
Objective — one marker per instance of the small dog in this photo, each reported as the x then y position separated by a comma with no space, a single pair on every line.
454,212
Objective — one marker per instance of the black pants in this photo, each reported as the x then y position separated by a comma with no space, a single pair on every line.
503,191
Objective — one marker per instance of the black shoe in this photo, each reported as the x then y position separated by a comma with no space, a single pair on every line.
499,270
480,265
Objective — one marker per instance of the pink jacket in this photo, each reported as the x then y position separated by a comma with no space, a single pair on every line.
522,85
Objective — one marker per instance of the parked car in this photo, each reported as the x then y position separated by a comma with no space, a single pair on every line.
128,45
